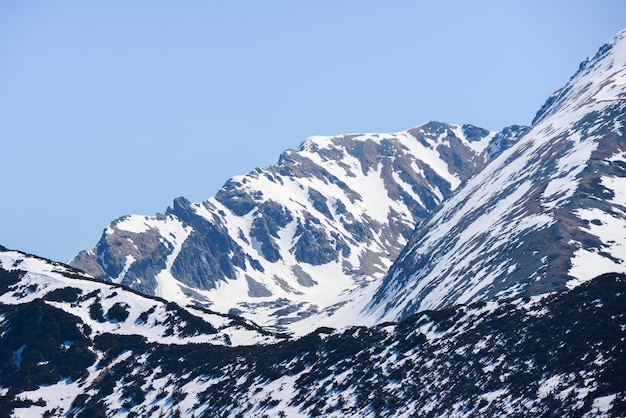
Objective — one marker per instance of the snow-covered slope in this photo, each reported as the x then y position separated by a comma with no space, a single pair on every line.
106,308
282,243
548,213
558,355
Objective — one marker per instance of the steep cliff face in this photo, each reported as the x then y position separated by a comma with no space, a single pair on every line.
286,241
548,213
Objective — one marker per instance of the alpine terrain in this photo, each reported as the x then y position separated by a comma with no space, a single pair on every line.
546,214
441,271
302,236
76,347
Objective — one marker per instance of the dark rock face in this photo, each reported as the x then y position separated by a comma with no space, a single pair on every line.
88,262
265,228
111,257
256,289
302,277
237,199
313,245
209,254
504,139
319,203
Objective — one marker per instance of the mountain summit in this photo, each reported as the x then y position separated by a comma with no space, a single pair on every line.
546,214
284,242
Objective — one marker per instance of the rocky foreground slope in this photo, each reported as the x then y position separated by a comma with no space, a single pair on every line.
556,355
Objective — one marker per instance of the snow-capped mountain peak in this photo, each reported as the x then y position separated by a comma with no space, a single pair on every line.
284,242
600,78
547,213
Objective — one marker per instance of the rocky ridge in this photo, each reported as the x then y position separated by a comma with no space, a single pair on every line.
285,242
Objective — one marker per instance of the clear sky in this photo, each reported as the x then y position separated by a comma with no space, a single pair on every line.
110,108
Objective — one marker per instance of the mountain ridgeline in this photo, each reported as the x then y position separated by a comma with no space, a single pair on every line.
285,242
546,214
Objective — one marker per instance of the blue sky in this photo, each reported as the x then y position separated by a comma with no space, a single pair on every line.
112,108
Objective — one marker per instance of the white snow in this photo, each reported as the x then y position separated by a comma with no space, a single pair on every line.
603,404
548,386
167,286
610,229
496,394
129,261
565,180
618,186
44,277
60,394
134,223
431,157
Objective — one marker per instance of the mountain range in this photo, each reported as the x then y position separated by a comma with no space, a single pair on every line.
439,271
302,236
